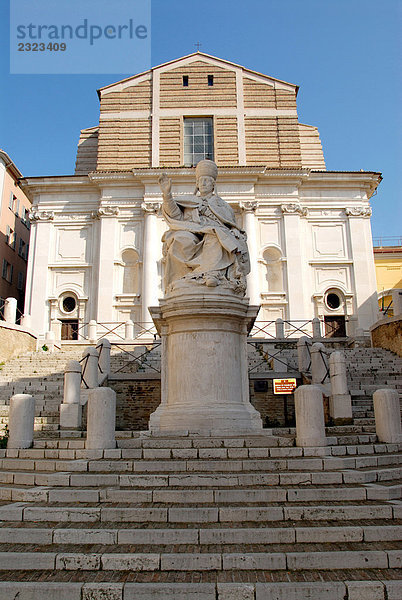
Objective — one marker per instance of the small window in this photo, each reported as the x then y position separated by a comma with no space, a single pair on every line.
20,282
198,140
69,304
5,266
185,80
7,271
333,301
10,237
210,80
22,248
11,201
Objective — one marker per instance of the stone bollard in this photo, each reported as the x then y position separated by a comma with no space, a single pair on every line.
309,412
397,302
340,401
10,310
316,327
351,326
21,421
303,354
71,410
104,358
387,414
55,326
279,328
101,419
90,375
319,364
49,340
26,321
92,331
129,330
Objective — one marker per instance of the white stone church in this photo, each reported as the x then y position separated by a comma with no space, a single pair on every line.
96,251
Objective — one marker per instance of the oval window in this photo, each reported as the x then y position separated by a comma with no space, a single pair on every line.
333,300
69,304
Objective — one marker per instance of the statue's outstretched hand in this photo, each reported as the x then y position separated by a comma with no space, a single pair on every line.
165,184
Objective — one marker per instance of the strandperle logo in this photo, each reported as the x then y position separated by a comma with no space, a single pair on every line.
85,31
56,37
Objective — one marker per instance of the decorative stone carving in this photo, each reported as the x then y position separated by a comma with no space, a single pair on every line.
248,205
41,215
294,208
105,211
358,211
203,245
151,207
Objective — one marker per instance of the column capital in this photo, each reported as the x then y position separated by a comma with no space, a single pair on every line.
152,207
358,211
41,215
248,205
294,208
105,211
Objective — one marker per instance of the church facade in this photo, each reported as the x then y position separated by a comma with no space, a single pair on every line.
96,251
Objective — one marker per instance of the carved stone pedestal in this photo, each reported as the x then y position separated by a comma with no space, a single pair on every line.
204,363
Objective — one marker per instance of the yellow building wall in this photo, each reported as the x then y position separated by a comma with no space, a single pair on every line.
388,268
388,273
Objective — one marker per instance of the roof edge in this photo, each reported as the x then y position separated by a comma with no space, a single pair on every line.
9,163
198,53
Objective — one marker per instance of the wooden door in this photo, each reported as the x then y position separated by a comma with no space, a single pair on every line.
335,326
69,329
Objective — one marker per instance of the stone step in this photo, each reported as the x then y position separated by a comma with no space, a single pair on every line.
309,533
213,497
202,466
21,511
167,590
190,481
143,451
205,561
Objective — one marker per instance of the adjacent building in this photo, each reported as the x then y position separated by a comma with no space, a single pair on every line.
388,267
96,235
14,232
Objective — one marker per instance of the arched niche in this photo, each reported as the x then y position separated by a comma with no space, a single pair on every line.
131,277
273,263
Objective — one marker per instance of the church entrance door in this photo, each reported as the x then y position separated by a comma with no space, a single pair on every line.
335,326
69,329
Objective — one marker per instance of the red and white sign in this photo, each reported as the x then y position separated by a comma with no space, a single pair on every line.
284,386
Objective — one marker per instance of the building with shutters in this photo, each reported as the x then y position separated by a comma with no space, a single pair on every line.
96,251
14,233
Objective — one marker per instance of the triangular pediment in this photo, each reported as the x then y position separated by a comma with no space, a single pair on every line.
194,59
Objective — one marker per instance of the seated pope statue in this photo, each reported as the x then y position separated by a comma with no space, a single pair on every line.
203,245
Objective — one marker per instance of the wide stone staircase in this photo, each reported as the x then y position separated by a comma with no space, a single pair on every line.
202,517
41,374
368,370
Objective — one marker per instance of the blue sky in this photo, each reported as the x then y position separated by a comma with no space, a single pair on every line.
344,55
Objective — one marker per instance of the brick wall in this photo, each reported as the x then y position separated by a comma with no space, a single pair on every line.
388,334
138,398
198,94
274,409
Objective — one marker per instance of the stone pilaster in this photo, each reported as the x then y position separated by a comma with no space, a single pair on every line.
249,223
151,255
295,262
106,254
363,265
